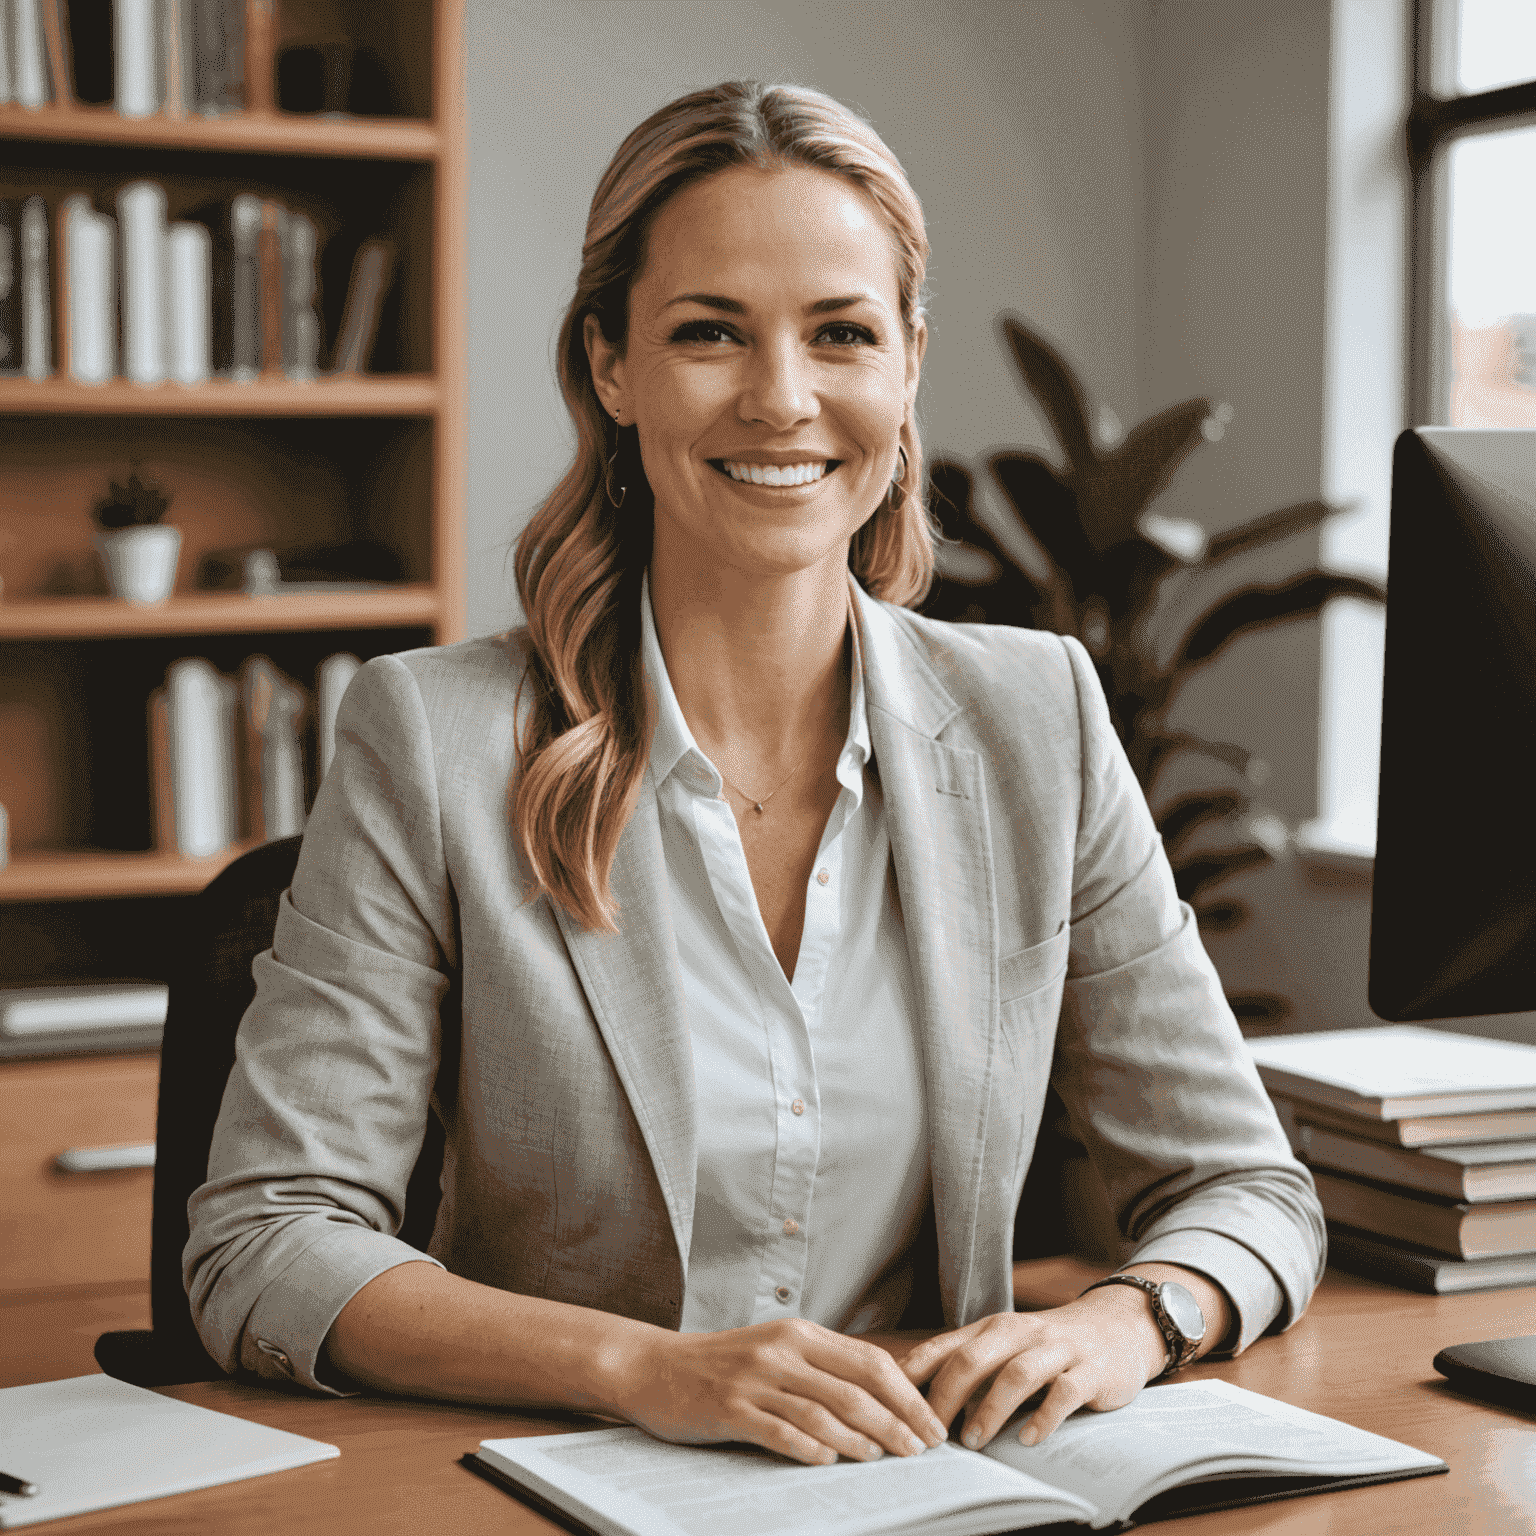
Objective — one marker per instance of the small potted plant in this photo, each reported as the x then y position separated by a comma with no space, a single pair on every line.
138,552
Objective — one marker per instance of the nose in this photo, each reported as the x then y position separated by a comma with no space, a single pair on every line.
778,390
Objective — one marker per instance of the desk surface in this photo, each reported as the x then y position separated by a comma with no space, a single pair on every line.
1362,1355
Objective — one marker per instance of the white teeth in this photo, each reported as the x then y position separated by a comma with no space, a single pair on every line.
775,474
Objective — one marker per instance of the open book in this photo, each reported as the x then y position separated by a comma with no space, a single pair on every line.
1174,1450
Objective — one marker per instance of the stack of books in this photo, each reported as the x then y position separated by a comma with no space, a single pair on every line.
230,291
1423,1147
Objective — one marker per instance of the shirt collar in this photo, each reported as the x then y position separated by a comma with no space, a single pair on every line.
673,743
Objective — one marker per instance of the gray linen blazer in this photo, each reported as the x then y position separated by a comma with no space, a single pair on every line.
409,970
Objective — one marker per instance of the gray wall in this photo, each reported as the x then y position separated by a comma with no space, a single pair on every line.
1020,125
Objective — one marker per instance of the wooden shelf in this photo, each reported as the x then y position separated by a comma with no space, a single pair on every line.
89,874
275,133
380,394
218,613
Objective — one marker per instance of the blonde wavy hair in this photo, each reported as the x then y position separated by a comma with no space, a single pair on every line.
581,751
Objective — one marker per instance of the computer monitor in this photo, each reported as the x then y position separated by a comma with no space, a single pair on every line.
1453,902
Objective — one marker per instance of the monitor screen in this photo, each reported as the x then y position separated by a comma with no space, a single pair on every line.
1453,902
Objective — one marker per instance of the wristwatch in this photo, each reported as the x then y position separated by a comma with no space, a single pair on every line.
1176,1313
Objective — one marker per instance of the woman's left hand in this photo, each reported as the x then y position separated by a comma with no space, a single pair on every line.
1098,1351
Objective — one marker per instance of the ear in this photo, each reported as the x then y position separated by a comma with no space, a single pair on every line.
607,365
915,354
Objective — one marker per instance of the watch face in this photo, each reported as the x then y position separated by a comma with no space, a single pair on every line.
1183,1309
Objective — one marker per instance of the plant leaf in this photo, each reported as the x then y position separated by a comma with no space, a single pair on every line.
1156,747
1258,607
1050,379
1138,471
1048,509
1180,817
1265,530
1221,916
1258,1011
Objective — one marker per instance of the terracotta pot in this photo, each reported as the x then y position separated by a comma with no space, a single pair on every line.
140,562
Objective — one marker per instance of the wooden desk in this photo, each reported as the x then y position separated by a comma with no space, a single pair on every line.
1363,1355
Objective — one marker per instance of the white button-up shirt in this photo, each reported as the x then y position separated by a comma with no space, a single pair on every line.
812,1145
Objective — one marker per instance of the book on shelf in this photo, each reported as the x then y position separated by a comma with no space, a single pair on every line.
10,288
1455,1227
29,54
1476,1173
200,709
1417,1268
1409,1130
87,274
141,216
1398,1070
298,242
174,35
269,264
189,267
272,710
372,272
331,682
218,51
54,22
36,292
7,48
136,57
1176,1449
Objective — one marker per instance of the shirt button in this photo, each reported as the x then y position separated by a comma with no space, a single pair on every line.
791,1227
798,1107
782,1293
822,877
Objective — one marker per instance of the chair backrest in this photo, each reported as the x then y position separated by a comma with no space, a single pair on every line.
232,923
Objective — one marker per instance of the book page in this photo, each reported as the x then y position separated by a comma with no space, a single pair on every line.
624,1480
1174,1434
1398,1062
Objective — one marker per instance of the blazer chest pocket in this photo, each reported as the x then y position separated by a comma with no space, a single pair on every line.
1033,968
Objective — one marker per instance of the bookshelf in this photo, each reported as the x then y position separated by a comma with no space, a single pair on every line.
378,456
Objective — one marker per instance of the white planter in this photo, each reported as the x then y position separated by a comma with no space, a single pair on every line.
140,562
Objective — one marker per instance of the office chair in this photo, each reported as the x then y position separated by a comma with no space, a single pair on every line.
232,923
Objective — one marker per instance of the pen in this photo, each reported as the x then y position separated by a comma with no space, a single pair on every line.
9,1484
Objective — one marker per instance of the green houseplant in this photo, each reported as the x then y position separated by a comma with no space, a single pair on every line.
138,552
1115,576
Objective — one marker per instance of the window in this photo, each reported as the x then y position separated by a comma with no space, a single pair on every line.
1472,153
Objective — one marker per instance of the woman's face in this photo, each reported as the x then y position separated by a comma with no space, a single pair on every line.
765,368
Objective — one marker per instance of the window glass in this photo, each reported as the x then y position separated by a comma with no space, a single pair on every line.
1496,44
1492,280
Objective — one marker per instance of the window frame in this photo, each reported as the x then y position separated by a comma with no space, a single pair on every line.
1435,120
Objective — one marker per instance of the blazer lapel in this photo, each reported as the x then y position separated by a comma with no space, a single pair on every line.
632,985
936,810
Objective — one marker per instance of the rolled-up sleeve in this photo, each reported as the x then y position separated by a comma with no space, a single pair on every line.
326,1107
1153,1070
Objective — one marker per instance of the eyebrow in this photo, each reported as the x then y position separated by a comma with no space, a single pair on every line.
735,307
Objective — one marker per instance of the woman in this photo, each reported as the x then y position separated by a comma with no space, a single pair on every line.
736,953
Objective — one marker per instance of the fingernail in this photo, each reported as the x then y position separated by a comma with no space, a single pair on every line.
872,1451
1029,1434
915,1445
973,1438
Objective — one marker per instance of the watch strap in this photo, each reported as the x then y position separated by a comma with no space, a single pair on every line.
1181,1349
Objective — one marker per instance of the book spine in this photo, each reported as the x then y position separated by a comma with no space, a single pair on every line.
136,75
365,302
55,26
36,308
245,287
201,729
90,290
162,799
270,264
282,760
7,55
335,673
301,325
30,59
10,287
141,213
175,32
189,260
260,60
216,26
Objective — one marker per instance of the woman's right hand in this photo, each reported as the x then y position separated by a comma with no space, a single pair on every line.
790,1386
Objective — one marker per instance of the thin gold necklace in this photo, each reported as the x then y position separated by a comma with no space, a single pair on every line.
757,805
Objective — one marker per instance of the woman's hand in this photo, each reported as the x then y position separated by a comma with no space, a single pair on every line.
789,1386
1098,1351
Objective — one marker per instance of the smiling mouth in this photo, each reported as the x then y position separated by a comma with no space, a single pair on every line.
775,474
